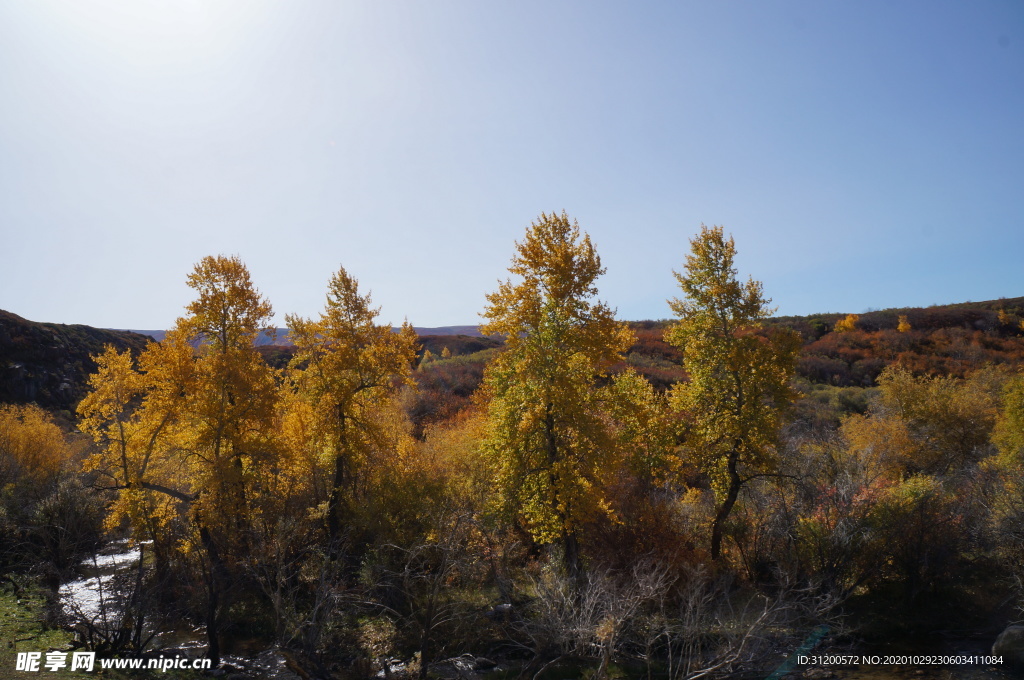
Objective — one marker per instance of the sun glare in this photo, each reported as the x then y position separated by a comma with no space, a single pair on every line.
151,32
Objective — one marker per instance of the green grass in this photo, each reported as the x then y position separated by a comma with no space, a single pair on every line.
22,629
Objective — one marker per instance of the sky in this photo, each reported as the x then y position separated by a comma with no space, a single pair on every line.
864,155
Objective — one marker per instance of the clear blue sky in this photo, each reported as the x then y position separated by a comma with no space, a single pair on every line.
863,154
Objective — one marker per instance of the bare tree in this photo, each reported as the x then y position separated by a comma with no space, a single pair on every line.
418,588
716,627
566,618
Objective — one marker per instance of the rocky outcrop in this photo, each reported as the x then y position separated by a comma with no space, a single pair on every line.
49,363
1010,646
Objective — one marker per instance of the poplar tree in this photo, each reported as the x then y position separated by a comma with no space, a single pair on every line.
739,374
546,431
190,431
349,369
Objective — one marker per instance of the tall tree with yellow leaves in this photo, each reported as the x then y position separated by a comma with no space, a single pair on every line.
546,432
191,430
233,394
130,414
739,375
349,369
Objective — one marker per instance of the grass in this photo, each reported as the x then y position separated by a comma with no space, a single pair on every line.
22,629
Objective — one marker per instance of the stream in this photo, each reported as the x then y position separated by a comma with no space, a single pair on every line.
86,597
94,598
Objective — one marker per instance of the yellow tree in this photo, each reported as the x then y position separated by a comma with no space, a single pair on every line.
129,413
223,434
545,426
1009,431
349,369
847,325
922,445
44,512
33,451
739,374
950,420
231,403
194,423
1009,503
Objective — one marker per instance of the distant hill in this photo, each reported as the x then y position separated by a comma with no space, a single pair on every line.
266,338
950,339
279,355
49,363
279,336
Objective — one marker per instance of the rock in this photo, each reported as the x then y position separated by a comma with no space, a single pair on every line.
457,668
482,663
1010,645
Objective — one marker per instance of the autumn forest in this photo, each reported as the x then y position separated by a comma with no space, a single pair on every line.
569,495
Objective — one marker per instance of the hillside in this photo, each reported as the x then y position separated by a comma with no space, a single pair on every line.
49,363
952,339
941,340
279,336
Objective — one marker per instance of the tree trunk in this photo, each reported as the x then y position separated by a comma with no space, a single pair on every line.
730,500
341,480
571,555
214,576
570,542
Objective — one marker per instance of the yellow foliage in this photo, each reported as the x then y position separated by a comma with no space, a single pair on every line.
33,449
643,428
924,424
952,418
903,326
552,447
190,427
848,324
348,370
883,447
1009,429
740,376
1007,318
453,452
